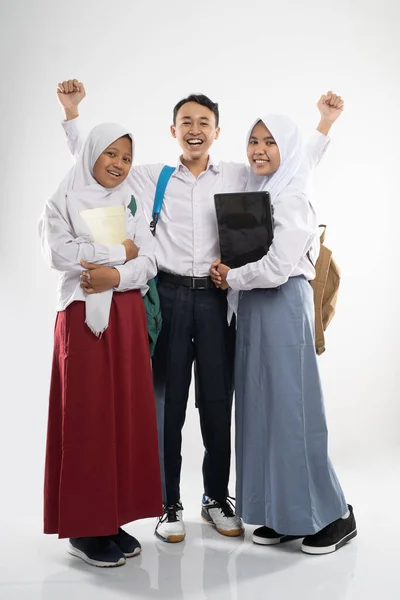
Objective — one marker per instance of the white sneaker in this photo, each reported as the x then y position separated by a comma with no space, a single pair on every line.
170,527
222,517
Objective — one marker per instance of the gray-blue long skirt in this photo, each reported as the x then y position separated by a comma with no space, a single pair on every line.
285,479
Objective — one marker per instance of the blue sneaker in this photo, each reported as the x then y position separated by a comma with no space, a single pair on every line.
126,543
97,551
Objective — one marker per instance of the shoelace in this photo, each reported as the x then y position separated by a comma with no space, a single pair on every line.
227,508
170,513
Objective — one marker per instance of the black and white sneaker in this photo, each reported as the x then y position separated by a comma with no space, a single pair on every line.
170,527
265,536
332,537
128,544
221,516
97,551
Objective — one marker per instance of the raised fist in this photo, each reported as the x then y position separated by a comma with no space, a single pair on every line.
330,106
70,93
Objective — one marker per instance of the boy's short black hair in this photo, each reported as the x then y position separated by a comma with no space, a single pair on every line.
200,99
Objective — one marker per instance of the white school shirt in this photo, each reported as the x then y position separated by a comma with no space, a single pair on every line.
64,255
295,235
187,240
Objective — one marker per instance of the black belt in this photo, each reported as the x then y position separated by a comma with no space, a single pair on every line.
194,283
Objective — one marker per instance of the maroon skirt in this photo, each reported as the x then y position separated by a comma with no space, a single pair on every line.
102,463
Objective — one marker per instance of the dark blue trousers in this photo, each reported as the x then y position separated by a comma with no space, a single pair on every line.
195,329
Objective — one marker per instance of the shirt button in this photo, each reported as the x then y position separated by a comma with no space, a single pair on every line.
197,249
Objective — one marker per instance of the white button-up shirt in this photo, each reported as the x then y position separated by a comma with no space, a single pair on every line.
63,253
187,240
295,235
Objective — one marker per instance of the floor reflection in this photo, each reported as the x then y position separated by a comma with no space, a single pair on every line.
211,567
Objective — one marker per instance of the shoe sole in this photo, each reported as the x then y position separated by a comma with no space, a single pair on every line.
136,552
95,563
171,539
329,549
227,533
274,541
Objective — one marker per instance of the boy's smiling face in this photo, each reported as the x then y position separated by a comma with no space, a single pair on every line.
195,129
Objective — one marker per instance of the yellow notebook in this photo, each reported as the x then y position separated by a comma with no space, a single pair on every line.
107,225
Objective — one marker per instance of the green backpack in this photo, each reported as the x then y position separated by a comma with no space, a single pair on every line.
151,299
151,302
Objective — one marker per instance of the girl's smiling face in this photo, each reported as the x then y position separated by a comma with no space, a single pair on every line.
262,151
114,163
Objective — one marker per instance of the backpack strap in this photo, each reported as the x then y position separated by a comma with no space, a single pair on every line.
321,239
319,284
162,183
322,236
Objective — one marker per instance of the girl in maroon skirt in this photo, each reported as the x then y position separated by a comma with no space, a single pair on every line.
102,464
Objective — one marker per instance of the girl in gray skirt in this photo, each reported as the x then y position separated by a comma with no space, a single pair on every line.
285,479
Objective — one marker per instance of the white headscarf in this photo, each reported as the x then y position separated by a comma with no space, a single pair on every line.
291,169
292,175
83,191
80,191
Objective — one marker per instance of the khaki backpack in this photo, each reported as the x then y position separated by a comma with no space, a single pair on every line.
325,286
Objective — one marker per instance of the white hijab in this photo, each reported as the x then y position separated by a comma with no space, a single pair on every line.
292,173
292,166
80,191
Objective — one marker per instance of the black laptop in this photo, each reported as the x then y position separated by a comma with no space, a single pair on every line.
245,226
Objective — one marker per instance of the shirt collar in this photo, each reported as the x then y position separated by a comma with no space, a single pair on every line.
211,166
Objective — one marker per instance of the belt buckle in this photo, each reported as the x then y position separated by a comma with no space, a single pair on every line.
199,283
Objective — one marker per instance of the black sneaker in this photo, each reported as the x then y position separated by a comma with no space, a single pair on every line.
266,536
128,544
332,537
97,551
170,527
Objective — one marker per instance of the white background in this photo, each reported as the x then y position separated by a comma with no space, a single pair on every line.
137,59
